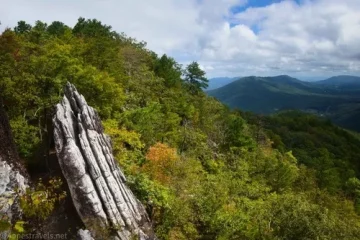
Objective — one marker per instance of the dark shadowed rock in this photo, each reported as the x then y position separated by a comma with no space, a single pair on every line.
97,185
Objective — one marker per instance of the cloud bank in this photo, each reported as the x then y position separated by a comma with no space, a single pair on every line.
309,38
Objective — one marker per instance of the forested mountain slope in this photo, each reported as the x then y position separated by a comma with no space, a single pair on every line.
337,98
201,170
315,142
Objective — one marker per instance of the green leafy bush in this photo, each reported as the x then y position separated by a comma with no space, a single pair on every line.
26,136
39,202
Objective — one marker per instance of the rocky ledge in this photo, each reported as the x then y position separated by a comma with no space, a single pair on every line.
97,185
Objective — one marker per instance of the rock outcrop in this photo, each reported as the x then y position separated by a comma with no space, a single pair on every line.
97,185
13,176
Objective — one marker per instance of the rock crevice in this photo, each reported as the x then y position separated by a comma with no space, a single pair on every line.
97,185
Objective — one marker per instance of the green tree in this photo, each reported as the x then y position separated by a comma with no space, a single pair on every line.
353,190
92,28
57,28
195,77
22,27
168,69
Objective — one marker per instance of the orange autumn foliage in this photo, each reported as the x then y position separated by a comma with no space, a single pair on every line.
161,162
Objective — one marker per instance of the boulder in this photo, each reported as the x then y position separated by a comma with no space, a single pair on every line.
97,185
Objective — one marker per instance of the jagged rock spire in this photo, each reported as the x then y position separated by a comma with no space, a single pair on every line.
96,183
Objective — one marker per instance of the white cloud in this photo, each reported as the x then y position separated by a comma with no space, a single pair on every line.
317,37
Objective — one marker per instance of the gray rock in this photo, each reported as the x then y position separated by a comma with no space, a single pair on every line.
13,176
96,183
12,184
84,235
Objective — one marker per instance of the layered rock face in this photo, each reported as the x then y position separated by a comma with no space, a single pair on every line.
13,176
97,185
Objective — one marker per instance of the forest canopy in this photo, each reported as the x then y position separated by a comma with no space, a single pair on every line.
202,170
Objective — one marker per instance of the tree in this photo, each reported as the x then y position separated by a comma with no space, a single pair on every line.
91,28
57,28
22,27
161,162
168,69
353,190
195,77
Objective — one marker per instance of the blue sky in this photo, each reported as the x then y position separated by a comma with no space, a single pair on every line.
253,4
304,38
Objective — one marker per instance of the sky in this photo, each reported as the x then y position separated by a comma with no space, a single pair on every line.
310,39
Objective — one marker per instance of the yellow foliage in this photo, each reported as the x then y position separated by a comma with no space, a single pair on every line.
126,144
121,136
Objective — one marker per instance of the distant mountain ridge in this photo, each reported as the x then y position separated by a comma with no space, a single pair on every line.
220,82
341,79
337,98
